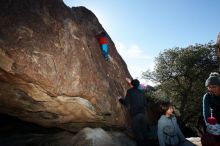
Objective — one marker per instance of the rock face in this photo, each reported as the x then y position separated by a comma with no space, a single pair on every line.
85,137
52,71
195,140
99,137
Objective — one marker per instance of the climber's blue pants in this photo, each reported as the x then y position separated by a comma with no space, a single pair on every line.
104,48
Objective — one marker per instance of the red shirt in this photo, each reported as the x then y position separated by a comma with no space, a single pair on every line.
102,40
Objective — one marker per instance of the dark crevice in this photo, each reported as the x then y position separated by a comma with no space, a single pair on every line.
10,125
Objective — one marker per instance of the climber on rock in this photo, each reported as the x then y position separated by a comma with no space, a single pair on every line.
102,39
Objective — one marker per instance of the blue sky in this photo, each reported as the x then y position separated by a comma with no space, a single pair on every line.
141,29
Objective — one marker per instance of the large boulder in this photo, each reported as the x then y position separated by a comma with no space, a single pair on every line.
52,72
85,137
195,140
100,137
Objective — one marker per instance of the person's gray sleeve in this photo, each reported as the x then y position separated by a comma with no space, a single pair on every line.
160,133
206,108
179,132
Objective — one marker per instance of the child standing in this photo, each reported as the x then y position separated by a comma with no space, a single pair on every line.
169,133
